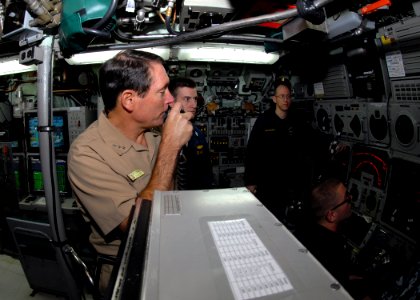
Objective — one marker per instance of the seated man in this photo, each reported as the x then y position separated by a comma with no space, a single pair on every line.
120,160
330,205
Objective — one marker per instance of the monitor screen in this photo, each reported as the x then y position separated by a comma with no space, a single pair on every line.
36,180
60,136
372,163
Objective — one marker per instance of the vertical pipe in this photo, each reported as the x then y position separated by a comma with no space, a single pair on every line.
2,12
46,139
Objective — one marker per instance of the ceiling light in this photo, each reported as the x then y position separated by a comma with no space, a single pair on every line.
11,65
203,52
229,53
100,57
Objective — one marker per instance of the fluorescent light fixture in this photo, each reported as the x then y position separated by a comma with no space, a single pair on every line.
203,52
11,65
229,53
100,57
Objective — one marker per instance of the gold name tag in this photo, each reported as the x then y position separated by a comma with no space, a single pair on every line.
135,174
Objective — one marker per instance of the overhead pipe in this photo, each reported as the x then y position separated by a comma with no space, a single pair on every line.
210,31
226,37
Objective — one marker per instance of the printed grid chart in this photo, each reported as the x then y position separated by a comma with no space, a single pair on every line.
251,270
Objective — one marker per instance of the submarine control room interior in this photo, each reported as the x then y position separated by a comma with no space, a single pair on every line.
353,69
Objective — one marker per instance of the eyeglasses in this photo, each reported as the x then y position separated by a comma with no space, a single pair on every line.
347,199
283,97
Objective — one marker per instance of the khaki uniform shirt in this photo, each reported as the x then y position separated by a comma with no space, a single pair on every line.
100,163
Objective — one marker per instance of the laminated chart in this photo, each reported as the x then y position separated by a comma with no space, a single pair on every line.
251,270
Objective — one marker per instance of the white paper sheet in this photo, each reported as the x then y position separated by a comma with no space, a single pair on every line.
250,268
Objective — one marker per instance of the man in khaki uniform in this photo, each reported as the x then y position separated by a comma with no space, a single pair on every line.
119,159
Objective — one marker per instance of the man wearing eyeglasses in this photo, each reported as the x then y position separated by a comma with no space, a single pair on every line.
277,156
331,205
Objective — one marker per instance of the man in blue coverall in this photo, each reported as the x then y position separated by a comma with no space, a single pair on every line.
194,170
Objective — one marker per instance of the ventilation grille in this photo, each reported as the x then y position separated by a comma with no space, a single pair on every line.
336,84
411,62
172,205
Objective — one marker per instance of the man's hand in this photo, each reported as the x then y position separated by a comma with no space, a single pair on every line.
176,132
177,129
252,188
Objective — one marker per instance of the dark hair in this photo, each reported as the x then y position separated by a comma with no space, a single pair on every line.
284,82
129,69
324,196
180,82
